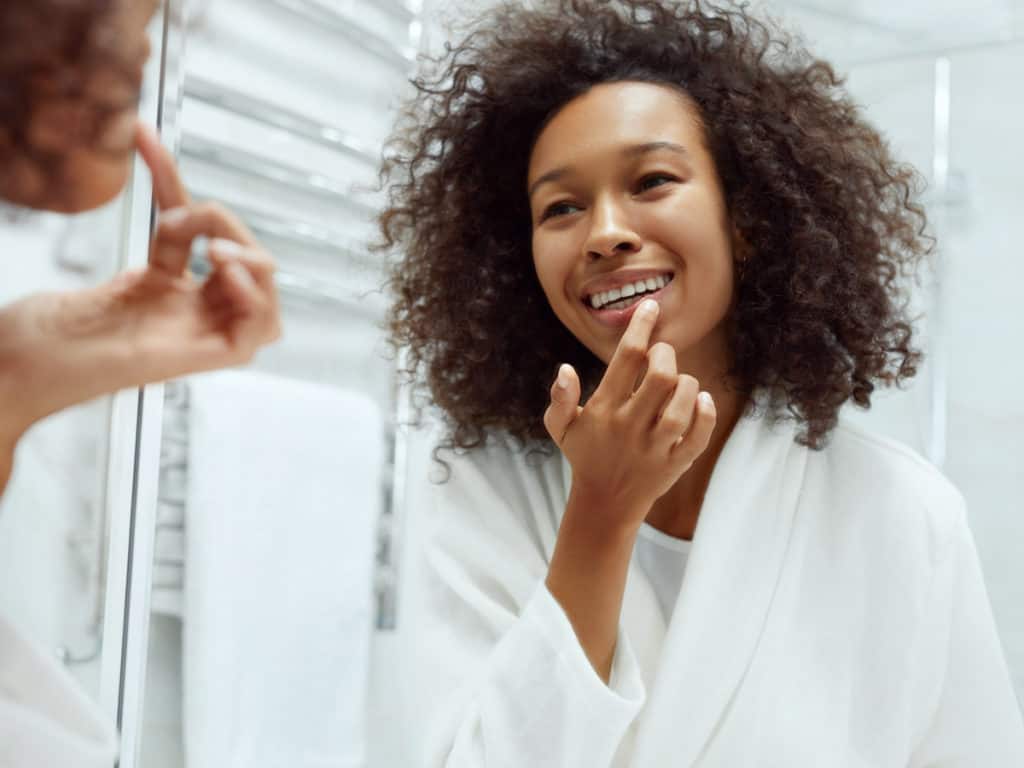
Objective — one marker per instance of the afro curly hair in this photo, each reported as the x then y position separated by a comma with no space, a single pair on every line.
830,216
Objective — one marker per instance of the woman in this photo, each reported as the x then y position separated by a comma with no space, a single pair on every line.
70,72
680,211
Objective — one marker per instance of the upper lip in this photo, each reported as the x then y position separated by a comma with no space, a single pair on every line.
620,278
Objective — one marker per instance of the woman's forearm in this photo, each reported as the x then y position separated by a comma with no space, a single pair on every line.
587,577
52,358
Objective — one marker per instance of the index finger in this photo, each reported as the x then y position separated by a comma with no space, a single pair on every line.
631,353
167,185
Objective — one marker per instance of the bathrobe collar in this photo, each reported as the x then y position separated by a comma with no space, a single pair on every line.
738,549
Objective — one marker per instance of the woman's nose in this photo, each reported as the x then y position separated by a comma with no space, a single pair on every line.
610,233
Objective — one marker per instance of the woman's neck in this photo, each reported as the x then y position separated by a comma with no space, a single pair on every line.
677,511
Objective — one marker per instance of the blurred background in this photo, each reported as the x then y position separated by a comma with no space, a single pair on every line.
132,541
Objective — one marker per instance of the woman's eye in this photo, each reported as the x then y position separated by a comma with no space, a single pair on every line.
649,182
556,209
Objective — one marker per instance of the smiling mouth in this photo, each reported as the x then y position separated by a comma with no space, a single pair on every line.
627,295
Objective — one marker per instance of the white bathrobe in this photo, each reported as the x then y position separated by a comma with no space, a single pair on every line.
833,613
46,721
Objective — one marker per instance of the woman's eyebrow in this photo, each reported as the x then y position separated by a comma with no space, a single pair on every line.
653,146
633,151
553,175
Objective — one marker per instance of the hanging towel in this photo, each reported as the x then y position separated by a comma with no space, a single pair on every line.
284,493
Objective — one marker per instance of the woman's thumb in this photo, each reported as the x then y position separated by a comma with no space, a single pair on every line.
565,402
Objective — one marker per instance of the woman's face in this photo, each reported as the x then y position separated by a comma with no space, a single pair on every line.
625,198
82,168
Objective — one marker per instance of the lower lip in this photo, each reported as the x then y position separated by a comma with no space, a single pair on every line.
616,318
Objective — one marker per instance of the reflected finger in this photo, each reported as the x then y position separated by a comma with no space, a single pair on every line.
168,188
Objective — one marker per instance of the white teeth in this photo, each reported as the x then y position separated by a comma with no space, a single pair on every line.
604,298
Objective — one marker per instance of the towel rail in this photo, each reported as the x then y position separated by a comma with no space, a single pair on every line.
275,116
258,167
400,57
299,233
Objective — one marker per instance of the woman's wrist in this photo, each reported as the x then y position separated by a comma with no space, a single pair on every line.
56,350
603,518
587,574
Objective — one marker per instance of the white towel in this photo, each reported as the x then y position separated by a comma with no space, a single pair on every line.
282,506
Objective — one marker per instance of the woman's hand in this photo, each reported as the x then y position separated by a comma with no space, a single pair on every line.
630,443
145,325
639,432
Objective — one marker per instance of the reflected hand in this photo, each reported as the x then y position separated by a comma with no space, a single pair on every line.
629,444
175,324
145,325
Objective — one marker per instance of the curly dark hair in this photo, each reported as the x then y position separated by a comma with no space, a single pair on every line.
829,214
49,52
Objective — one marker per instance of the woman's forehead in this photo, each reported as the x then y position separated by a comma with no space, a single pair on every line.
612,117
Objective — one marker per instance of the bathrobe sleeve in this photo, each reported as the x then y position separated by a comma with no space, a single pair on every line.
500,678
45,720
976,718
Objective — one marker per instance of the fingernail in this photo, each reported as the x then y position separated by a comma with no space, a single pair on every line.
648,306
705,399
173,216
227,248
563,377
